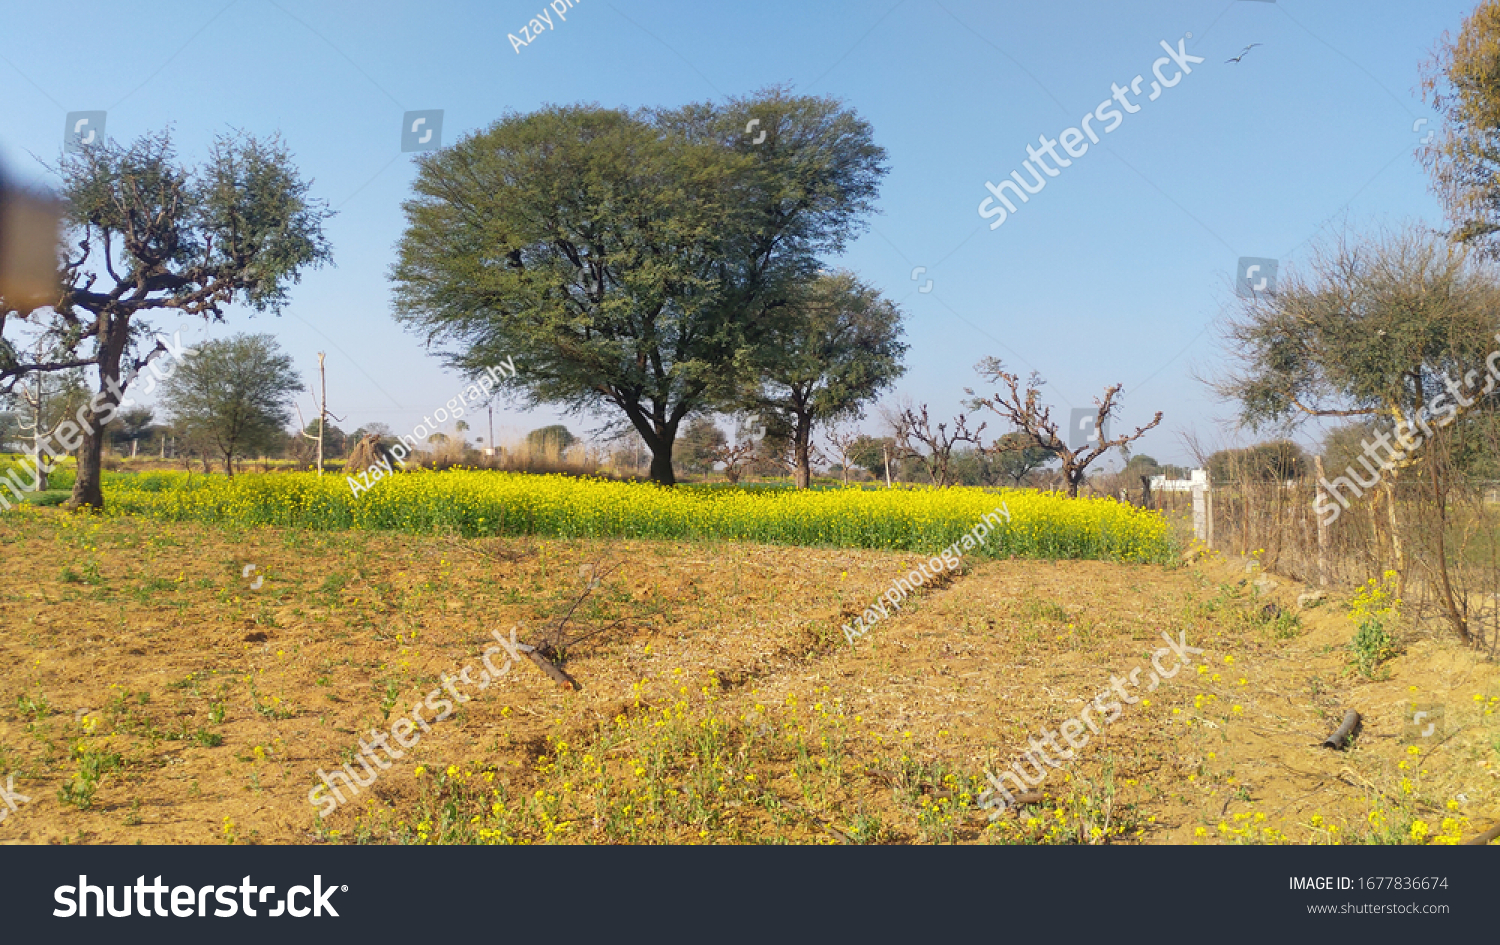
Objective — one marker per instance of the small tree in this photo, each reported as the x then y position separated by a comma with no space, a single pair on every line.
1034,421
842,444
47,402
131,426
547,440
234,395
1459,81
1392,327
735,458
835,348
303,445
700,444
871,453
1017,458
1272,461
775,447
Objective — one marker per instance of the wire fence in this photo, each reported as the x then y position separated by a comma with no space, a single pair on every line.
1447,544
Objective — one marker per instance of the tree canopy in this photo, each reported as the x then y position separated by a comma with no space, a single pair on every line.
631,262
836,352
1384,326
552,439
1460,82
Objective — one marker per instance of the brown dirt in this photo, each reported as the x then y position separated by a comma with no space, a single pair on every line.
126,637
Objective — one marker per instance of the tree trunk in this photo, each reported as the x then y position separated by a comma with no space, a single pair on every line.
802,450
1450,603
661,461
229,463
88,491
1398,552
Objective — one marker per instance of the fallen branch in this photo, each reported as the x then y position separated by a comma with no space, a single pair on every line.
1339,739
551,669
1484,838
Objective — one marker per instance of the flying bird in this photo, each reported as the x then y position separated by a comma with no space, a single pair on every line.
1242,53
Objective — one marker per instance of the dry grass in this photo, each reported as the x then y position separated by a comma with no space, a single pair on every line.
148,693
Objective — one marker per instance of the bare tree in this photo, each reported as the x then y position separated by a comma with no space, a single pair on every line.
1030,418
916,438
735,458
842,442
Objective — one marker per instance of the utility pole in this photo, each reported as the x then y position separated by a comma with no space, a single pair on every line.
322,413
322,409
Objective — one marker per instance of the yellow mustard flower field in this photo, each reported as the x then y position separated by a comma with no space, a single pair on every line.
473,503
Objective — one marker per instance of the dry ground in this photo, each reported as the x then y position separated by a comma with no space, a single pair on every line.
149,694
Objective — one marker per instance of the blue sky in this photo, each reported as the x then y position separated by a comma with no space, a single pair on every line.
1115,272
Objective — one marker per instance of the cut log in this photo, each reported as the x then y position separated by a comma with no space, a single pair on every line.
1340,738
551,669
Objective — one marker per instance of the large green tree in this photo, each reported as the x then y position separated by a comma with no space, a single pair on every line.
835,350
631,262
234,396
143,233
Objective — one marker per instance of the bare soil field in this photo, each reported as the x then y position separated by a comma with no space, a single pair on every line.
156,688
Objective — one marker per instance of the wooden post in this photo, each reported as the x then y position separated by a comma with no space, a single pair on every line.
1322,528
